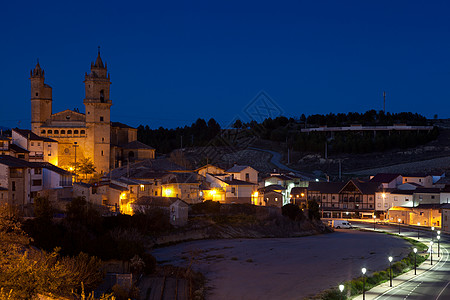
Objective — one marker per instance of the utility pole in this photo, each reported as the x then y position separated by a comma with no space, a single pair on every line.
384,102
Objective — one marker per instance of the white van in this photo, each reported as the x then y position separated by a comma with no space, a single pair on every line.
341,224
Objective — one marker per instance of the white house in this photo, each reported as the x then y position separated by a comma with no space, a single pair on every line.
40,148
243,173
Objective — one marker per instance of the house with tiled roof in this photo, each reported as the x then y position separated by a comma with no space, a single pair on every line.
335,198
243,173
39,149
387,180
226,189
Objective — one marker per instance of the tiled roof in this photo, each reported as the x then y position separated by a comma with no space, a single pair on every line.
155,201
17,149
13,162
384,177
120,125
32,136
236,182
137,145
237,169
326,187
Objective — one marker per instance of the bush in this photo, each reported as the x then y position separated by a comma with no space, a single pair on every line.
206,207
291,211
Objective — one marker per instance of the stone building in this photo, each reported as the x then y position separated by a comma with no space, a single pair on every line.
85,135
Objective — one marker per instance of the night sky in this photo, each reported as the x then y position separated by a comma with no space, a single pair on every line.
172,62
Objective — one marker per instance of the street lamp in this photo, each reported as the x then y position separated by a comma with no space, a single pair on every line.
341,288
431,252
432,233
374,222
347,215
439,244
390,271
363,270
415,264
399,220
418,231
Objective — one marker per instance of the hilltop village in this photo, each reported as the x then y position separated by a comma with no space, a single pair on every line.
71,154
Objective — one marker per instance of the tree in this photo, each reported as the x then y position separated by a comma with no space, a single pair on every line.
238,124
86,167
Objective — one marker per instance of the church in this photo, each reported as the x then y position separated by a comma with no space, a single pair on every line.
90,134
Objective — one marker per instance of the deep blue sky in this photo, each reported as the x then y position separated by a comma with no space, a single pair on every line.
172,62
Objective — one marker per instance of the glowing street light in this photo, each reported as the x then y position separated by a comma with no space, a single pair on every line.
341,289
432,233
415,264
390,271
431,252
374,222
439,244
364,270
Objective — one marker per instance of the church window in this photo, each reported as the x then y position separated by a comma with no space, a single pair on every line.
75,132
102,152
103,139
63,132
68,117
101,119
102,96
43,131
69,131
37,94
66,150
56,131
50,132
83,132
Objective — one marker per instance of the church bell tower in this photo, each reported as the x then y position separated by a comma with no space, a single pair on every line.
41,99
97,107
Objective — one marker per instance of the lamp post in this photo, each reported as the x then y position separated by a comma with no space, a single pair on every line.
399,220
432,234
374,222
363,270
341,288
75,146
415,264
418,231
439,244
431,252
390,271
347,215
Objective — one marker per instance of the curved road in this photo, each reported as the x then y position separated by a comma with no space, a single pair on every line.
276,160
433,283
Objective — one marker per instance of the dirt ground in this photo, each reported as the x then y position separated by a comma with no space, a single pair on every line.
290,268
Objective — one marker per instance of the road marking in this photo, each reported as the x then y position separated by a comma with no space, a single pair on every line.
442,290
417,276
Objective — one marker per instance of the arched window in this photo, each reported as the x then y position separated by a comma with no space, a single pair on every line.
102,96
63,132
75,131
43,131
50,131
69,131
83,132
56,131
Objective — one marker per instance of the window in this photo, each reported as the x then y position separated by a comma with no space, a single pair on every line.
37,171
406,199
103,139
32,143
101,119
39,144
420,180
379,205
247,177
63,132
102,96
69,131
395,198
56,131
233,190
102,152
50,131
43,131
49,145
68,117
432,197
36,182
142,187
131,190
406,179
82,132
75,132
156,193
324,197
333,197
13,187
